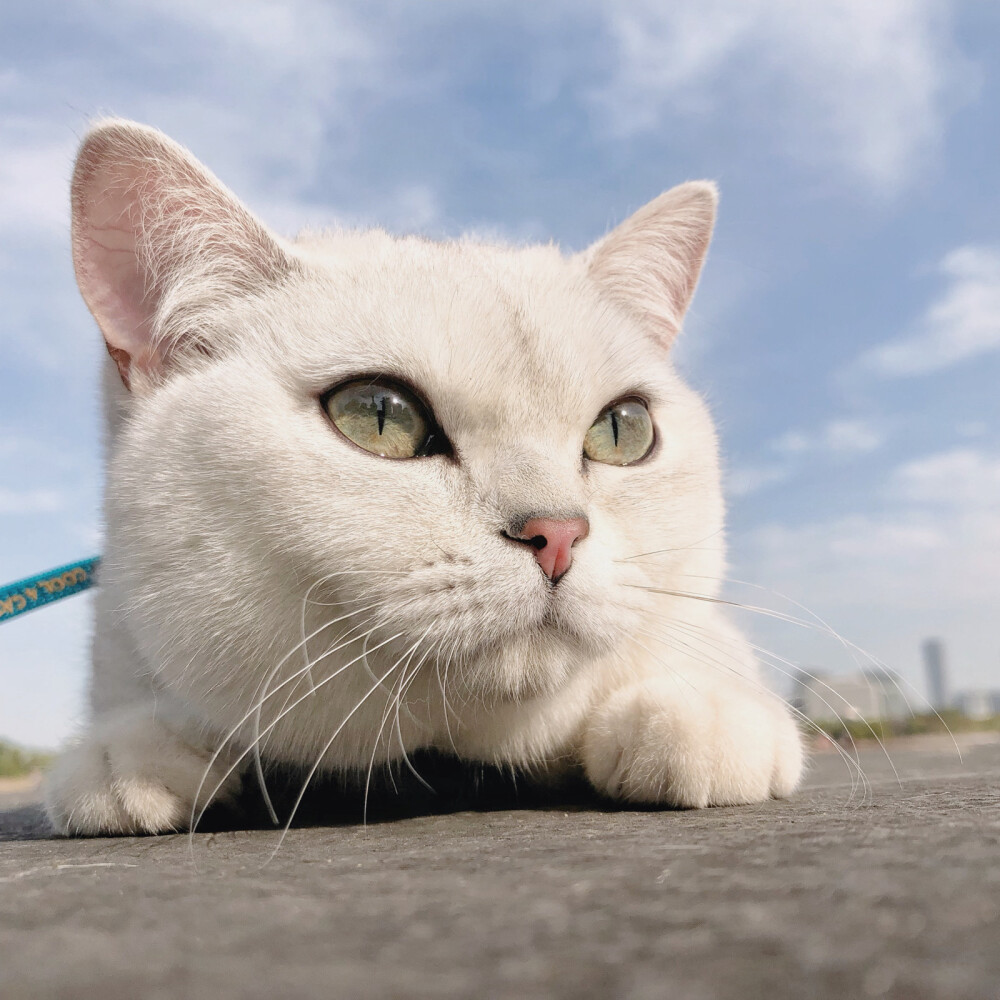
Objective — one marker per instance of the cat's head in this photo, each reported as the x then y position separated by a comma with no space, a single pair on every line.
463,447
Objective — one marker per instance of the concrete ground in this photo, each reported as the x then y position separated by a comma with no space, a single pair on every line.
825,895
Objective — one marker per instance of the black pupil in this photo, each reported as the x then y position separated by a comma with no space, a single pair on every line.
380,406
614,427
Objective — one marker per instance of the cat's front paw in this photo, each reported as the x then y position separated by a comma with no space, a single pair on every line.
683,744
130,774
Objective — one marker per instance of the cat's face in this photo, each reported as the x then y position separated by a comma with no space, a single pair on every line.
242,517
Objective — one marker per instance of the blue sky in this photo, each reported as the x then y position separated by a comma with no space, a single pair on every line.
847,330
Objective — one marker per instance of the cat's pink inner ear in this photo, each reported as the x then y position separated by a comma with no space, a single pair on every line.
651,263
106,218
148,222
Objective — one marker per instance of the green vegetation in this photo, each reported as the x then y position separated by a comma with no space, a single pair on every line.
16,761
950,720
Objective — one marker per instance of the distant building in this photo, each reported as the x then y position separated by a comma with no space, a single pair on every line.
867,695
980,704
896,700
937,682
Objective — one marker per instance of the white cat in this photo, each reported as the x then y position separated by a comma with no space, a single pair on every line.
369,494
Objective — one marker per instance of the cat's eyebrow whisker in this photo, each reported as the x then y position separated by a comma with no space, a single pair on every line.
329,743
853,763
270,726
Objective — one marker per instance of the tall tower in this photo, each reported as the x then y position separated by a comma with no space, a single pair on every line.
937,682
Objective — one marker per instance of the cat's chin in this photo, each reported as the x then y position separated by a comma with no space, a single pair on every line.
531,663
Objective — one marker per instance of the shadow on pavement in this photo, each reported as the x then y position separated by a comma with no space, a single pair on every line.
437,785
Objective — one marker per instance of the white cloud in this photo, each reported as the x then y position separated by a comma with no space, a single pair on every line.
263,92
852,436
844,83
792,443
926,561
844,438
961,479
963,323
743,480
940,520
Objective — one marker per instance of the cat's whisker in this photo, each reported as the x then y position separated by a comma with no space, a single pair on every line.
271,725
387,711
264,687
855,771
673,671
856,651
305,671
403,691
372,676
445,704
304,643
822,628
765,612
378,736
253,745
693,547
329,743
713,640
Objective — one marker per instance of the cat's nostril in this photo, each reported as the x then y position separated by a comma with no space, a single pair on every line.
552,540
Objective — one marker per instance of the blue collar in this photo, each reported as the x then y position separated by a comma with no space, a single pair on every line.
36,591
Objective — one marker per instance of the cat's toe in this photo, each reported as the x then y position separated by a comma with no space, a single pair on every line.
636,752
130,775
79,794
670,744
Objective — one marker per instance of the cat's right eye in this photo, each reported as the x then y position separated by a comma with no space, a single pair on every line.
622,435
381,417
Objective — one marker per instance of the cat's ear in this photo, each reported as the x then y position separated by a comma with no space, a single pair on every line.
650,263
156,240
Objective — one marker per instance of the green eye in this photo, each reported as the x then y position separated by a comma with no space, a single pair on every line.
621,435
380,417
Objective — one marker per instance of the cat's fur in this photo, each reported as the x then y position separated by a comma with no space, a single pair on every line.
239,521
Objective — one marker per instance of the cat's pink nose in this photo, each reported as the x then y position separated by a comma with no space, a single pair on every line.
553,541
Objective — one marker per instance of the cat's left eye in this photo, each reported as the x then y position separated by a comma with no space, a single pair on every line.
381,417
621,435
